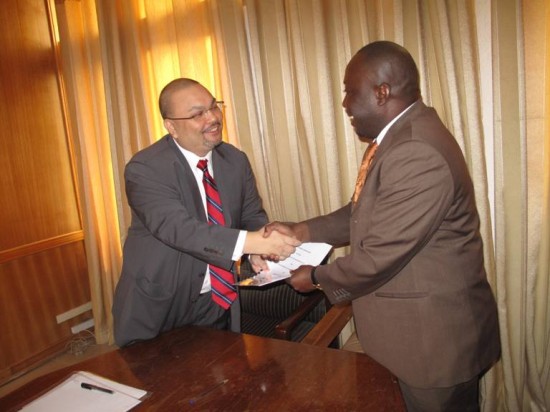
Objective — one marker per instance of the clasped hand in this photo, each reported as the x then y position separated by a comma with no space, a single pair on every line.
269,244
300,278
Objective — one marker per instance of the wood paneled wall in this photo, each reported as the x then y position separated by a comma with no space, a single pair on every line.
43,269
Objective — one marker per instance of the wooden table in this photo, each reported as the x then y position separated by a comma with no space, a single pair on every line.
180,367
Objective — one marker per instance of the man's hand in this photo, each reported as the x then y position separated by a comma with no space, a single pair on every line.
285,228
297,230
300,279
277,244
258,263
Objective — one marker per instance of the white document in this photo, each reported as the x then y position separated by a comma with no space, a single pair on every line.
71,396
306,254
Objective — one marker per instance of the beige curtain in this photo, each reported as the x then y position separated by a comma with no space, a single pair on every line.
87,118
144,45
535,24
116,56
279,65
285,62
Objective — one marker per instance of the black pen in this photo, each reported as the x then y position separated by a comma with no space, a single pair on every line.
90,387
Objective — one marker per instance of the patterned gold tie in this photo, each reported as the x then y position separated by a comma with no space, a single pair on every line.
223,291
363,170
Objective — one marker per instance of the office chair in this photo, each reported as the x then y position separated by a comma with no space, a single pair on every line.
277,310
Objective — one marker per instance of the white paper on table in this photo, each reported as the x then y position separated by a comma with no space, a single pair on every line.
309,253
70,396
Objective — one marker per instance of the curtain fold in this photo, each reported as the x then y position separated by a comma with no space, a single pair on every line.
109,53
279,67
535,24
82,76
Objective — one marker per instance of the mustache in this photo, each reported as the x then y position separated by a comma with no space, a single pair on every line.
212,125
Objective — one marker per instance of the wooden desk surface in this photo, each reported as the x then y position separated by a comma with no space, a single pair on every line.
262,375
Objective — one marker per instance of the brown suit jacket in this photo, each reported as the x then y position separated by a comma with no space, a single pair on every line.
421,301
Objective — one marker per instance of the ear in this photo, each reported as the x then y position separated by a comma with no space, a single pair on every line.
169,125
383,92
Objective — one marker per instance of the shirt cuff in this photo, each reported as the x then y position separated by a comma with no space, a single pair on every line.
239,246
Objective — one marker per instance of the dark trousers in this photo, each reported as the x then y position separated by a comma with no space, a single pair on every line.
463,397
206,312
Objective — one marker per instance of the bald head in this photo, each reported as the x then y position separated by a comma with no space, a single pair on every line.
165,98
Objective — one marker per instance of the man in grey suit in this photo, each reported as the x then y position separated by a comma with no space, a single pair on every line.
415,273
171,248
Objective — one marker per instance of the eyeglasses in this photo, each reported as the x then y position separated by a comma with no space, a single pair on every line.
217,107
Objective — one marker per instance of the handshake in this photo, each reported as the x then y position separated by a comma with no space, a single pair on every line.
277,241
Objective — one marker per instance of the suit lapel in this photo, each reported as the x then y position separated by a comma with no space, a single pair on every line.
392,134
394,130
187,179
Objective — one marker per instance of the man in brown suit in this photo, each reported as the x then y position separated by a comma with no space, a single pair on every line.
421,301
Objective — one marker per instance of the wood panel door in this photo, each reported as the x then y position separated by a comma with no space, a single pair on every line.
43,269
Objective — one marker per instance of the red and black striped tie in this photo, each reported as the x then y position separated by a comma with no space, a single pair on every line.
223,290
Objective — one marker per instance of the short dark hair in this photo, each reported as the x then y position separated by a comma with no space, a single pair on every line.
169,89
394,65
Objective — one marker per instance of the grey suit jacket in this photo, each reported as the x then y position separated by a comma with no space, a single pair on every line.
169,241
421,301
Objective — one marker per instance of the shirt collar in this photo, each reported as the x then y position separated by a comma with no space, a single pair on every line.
381,135
193,159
